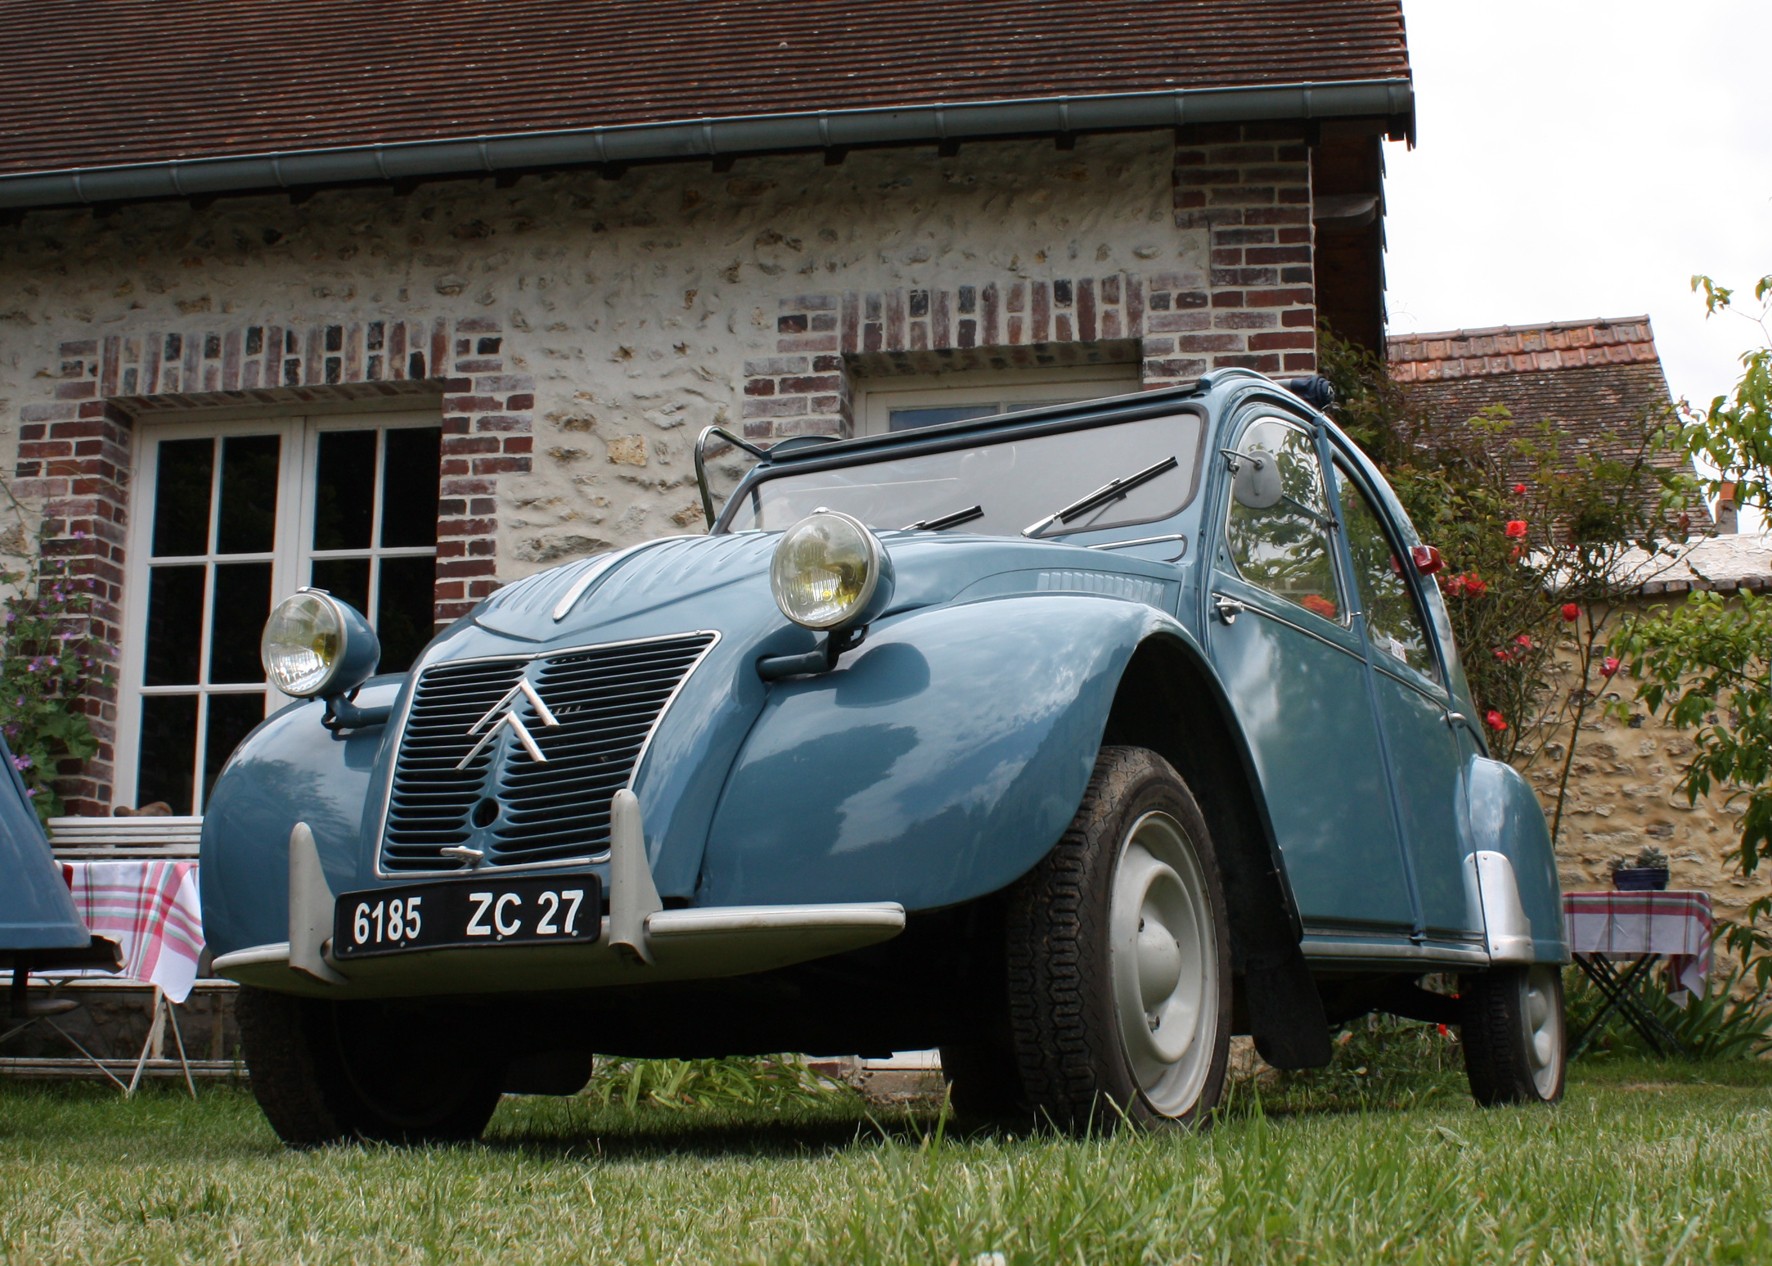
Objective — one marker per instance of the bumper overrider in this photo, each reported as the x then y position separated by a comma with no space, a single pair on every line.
639,942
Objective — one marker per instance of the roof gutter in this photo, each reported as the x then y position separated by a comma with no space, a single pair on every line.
1389,99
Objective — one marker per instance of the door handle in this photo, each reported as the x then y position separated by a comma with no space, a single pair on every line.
1227,609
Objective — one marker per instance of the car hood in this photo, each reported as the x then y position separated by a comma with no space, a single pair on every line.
721,583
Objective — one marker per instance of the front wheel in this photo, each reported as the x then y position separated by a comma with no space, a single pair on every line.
1119,964
1514,1034
324,1072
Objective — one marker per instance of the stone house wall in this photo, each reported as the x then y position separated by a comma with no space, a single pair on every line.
1624,794
575,332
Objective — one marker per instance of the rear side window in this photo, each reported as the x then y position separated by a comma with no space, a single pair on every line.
1394,623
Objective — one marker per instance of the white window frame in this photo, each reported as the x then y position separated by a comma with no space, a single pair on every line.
1009,389
290,559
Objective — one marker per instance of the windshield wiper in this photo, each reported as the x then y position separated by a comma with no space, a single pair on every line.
954,518
1113,490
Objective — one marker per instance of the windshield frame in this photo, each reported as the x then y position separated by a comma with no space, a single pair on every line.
805,458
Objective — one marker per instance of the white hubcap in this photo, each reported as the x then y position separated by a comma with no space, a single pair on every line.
1163,959
1544,1029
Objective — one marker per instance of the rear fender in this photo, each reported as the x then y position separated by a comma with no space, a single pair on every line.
936,764
1502,817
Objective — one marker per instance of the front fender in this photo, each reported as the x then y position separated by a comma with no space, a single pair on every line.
936,764
290,769
1502,815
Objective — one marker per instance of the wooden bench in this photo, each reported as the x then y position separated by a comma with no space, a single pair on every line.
101,839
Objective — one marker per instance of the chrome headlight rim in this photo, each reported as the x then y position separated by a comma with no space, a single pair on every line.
864,605
351,663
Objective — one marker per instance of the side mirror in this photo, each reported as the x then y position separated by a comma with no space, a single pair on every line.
1255,479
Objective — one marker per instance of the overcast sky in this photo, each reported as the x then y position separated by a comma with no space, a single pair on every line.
1583,158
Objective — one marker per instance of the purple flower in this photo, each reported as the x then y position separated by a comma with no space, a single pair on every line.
21,762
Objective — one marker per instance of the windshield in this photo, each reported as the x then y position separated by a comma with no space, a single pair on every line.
1000,487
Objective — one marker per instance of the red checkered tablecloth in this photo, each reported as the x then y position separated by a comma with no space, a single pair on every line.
150,909
1675,925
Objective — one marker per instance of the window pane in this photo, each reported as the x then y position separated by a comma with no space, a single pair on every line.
933,415
237,620
168,751
248,495
1392,621
1284,547
231,718
344,493
409,486
346,579
175,622
181,497
403,621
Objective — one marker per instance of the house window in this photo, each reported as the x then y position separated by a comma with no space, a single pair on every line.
903,404
235,516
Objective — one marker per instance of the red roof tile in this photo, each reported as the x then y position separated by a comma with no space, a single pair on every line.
1518,349
93,83
1597,381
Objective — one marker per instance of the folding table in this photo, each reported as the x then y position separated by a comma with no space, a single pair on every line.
1638,929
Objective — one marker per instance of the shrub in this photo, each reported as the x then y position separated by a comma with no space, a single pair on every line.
46,662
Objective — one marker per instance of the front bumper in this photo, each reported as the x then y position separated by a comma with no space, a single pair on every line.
639,942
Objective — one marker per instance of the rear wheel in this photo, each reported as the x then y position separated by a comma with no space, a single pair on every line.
392,1072
1514,1034
1119,965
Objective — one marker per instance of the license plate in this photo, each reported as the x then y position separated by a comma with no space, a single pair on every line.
537,910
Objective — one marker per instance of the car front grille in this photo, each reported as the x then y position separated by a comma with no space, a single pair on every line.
499,800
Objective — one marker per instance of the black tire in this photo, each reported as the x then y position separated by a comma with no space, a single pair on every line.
1120,929
324,1072
1515,1038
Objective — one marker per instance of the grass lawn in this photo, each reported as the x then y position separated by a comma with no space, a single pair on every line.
1643,1162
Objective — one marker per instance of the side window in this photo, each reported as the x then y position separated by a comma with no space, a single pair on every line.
1279,534
1393,621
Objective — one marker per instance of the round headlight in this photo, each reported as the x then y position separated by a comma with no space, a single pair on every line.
829,571
314,644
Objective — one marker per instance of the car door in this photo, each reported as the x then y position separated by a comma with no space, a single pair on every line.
1423,736
1280,634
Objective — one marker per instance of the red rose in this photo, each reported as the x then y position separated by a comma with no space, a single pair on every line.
1516,528
1455,585
1525,639
1475,585
1501,653
1519,490
1571,612
1495,720
1609,666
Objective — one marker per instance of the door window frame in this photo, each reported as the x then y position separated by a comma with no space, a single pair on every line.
1279,605
1342,466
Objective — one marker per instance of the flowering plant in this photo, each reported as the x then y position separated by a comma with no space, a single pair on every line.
46,662
1542,539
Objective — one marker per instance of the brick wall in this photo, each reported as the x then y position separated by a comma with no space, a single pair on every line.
75,450
1247,188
